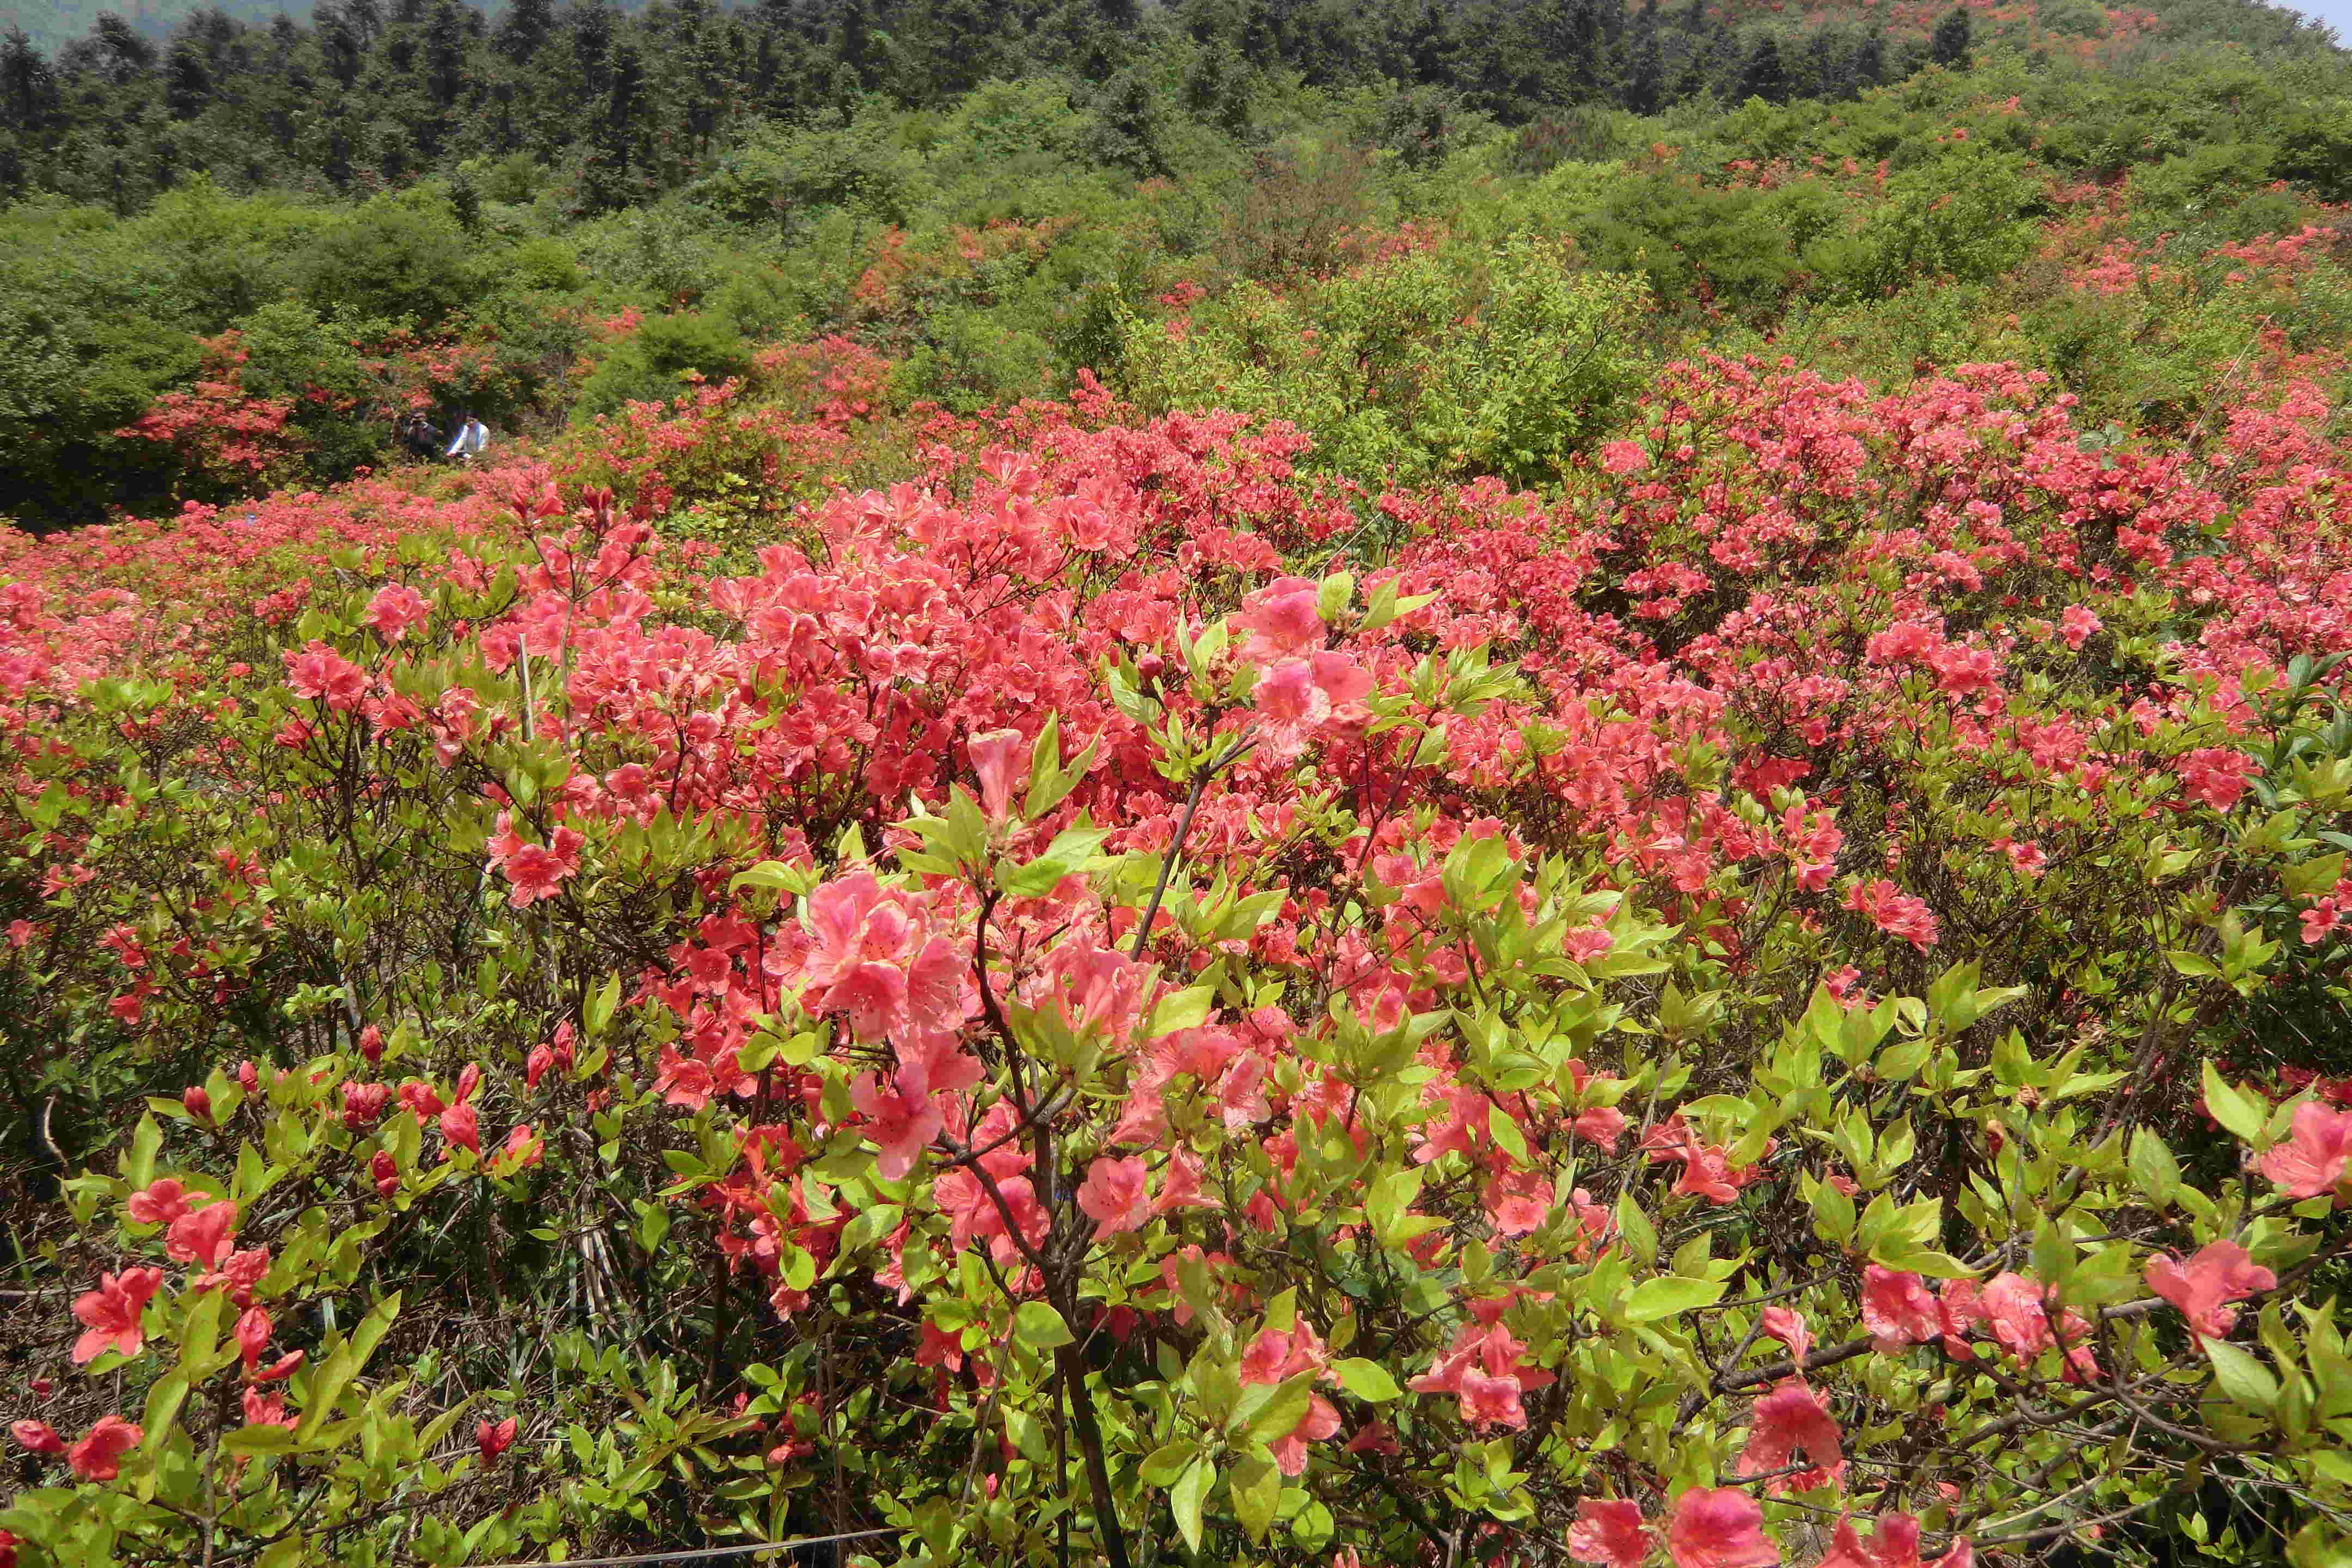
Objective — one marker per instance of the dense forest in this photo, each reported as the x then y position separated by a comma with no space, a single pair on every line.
421,205
1305,783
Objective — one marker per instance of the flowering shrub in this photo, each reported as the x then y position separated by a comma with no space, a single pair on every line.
1738,1012
226,440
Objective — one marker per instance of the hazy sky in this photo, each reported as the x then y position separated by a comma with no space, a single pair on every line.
2337,14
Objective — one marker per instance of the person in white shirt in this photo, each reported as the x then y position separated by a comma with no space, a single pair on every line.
471,439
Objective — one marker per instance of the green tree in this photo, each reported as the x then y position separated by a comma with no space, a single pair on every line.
1949,47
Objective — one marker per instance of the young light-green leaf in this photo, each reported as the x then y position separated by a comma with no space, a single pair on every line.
2234,1108
1662,1297
1040,1327
1366,1379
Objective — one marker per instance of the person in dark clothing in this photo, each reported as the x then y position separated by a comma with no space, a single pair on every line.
420,439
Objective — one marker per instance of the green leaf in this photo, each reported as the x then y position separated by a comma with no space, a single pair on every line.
2239,1375
1185,1009
1924,1260
200,1331
139,1165
1257,1487
1665,1296
2235,1110
163,1402
1641,1236
1505,1127
1069,854
1283,1411
602,1004
2153,1170
774,876
371,1329
1168,1463
1185,1498
1366,1379
1334,594
1040,1327
265,1438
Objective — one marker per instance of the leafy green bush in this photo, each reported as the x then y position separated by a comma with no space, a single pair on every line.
394,258
1962,219
1694,243
781,177
653,362
1440,360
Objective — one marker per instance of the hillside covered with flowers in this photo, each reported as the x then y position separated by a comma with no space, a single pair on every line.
1534,882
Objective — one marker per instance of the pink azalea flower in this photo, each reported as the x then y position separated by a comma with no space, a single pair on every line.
394,610
38,1438
1516,1202
1001,757
492,1439
1282,619
1959,1309
1276,1356
1116,1195
1484,1370
1789,1421
1897,1309
317,672
522,1149
1722,1528
1623,458
901,1124
1603,1124
1609,1532
364,1103
1321,1421
1894,911
253,1331
2201,1289
97,1457
265,1409
461,1127
2014,1309
2313,1159
539,871
202,1237
1288,697
161,1202
1788,1325
2321,921
1895,1543
1179,1185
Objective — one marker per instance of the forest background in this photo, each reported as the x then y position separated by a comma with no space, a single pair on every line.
294,232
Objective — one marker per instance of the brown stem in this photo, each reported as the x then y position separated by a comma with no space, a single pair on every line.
1082,1420
1813,1363
1176,847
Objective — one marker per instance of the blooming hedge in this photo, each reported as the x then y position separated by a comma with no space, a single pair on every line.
1121,1001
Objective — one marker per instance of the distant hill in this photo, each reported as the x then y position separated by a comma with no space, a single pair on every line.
51,22
2061,22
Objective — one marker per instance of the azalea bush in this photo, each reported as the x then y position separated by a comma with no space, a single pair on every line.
1113,999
